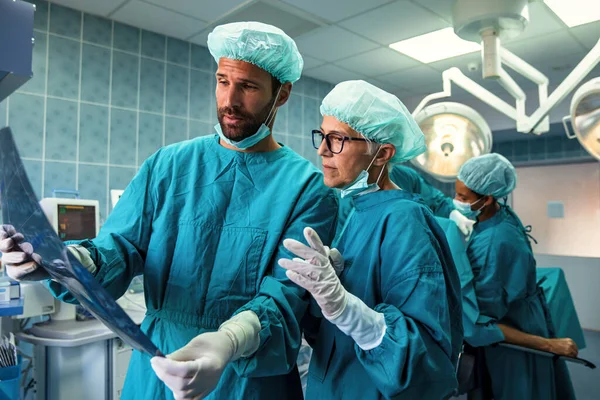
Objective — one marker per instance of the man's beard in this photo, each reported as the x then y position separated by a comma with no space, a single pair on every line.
248,124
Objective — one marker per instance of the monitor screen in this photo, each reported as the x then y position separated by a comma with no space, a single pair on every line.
76,222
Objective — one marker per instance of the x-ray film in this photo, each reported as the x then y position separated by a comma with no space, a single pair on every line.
21,209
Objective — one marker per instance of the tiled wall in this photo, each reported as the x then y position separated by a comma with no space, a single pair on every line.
105,96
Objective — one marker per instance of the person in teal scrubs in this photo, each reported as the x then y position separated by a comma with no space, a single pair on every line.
204,221
504,283
409,180
391,325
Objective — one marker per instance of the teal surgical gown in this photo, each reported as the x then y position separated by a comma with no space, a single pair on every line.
504,279
408,180
205,226
398,262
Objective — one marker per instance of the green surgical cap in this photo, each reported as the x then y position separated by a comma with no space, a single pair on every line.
376,114
489,175
263,45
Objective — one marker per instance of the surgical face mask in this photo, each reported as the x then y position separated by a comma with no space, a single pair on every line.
465,208
360,186
260,134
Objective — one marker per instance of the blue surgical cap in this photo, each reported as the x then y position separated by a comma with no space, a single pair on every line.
263,45
489,175
377,115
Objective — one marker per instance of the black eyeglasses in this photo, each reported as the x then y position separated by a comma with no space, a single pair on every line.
334,140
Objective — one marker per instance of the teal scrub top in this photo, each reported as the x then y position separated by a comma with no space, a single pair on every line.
398,262
504,279
205,225
410,181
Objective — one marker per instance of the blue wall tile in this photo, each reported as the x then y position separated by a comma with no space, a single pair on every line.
281,120
153,45
40,19
202,59
126,38
152,82
63,67
537,149
521,150
571,148
37,84
108,135
125,80
295,115
34,173
26,118
312,117
178,51
200,95
58,176
3,113
92,185
150,135
122,137
93,134
311,87
324,89
97,30
65,21
298,87
119,177
177,90
95,74
175,130
61,130
198,129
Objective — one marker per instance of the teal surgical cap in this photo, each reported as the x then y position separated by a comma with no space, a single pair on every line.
376,114
263,45
489,175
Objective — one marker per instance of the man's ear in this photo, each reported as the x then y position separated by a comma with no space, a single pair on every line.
284,94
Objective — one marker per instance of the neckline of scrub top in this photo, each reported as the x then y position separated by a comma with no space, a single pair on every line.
500,216
250,158
374,199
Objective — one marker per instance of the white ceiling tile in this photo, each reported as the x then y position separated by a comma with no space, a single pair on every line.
335,10
394,22
382,85
205,10
413,78
377,62
156,19
201,38
332,74
460,62
587,34
103,7
332,43
443,8
537,51
310,62
541,21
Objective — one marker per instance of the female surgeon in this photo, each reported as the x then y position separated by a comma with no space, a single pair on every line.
392,319
511,305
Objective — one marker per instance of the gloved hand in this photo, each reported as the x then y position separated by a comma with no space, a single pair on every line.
193,371
315,273
464,224
21,263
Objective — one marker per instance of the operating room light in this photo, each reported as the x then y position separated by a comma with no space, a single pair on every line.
585,116
435,46
575,12
454,133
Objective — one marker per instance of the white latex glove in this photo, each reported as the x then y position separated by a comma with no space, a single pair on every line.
193,371
464,224
315,273
22,264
